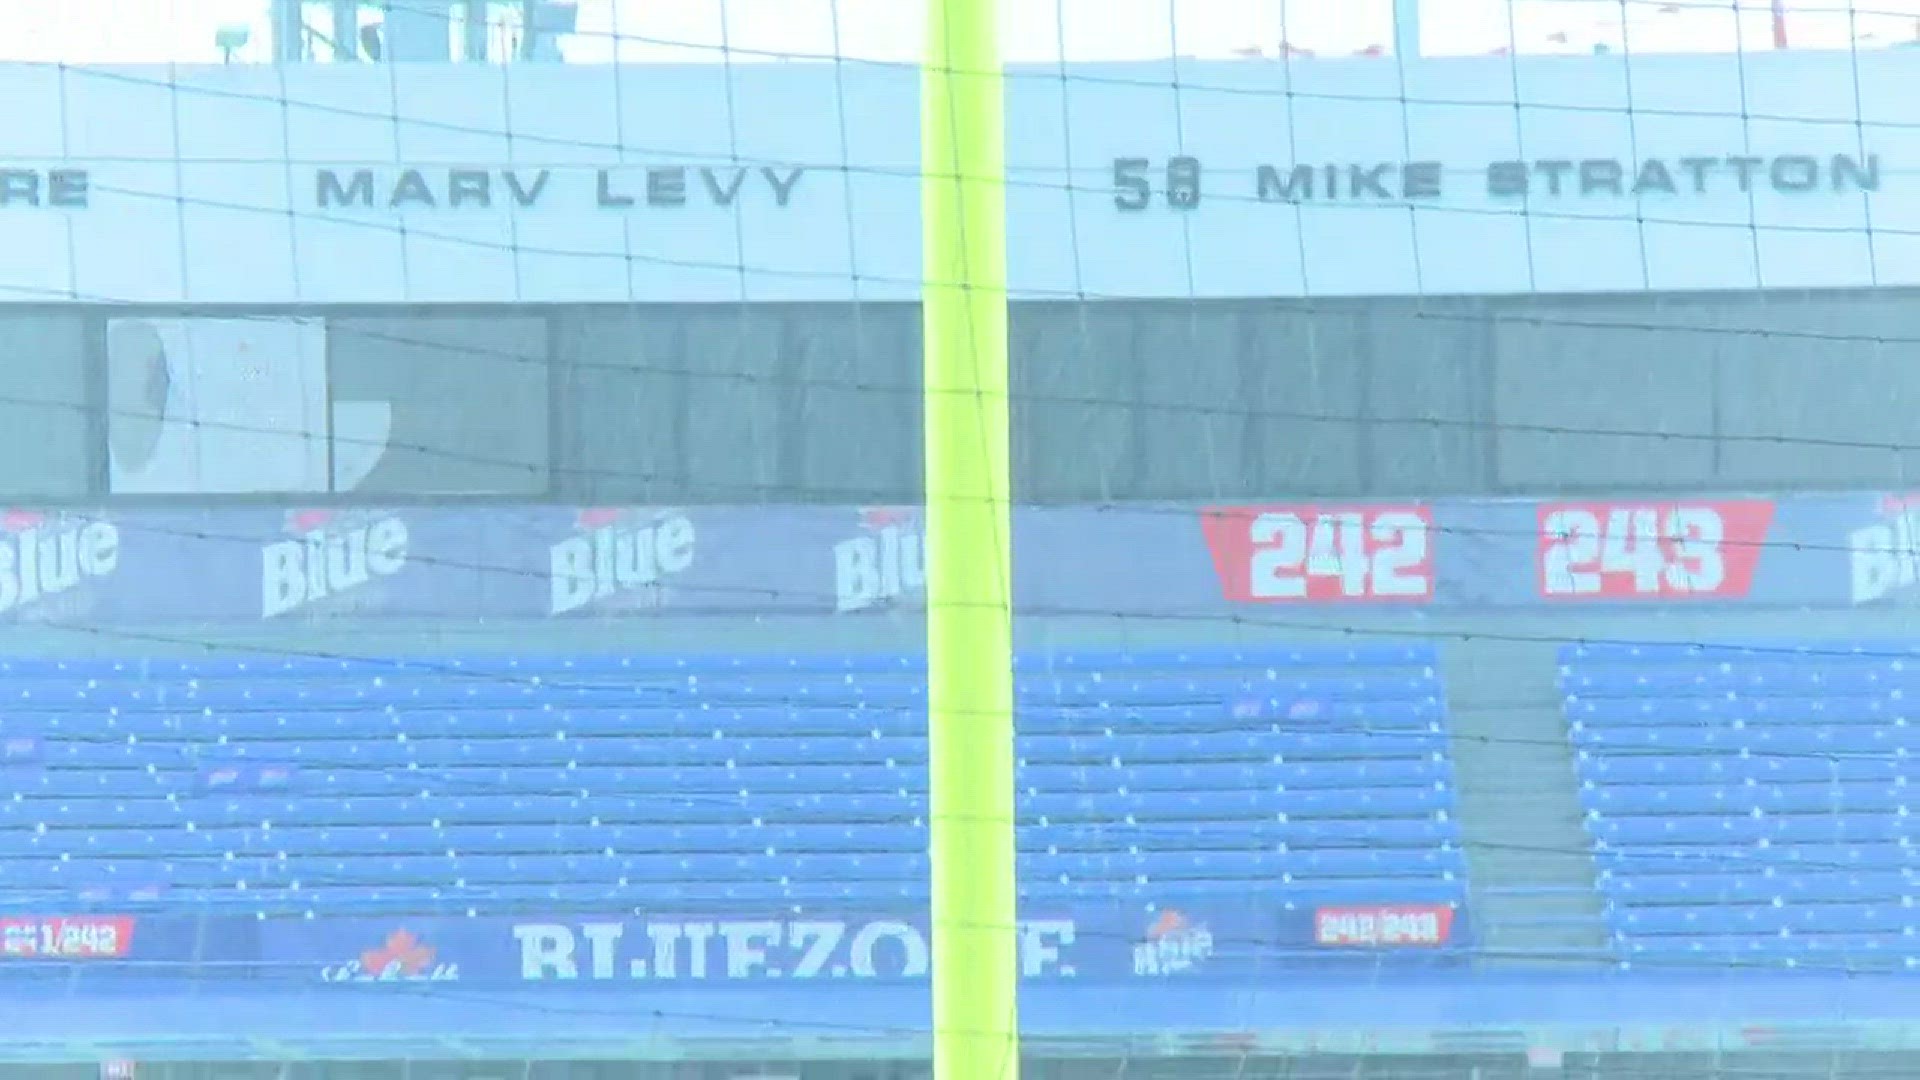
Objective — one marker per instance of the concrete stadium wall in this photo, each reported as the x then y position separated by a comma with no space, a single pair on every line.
1116,400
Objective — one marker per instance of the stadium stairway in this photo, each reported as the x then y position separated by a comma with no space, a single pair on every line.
1530,865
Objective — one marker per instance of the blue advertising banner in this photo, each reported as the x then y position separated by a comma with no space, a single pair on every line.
1205,940
596,562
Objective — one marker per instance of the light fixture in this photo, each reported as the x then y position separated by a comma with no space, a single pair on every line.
230,39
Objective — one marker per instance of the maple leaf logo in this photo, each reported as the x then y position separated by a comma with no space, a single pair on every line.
402,952
18,520
875,518
1170,923
302,522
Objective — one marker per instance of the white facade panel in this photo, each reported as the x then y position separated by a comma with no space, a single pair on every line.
454,183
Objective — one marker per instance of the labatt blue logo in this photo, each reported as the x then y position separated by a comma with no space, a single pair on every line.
402,957
1884,557
1174,945
621,556
45,556
885,563
327,554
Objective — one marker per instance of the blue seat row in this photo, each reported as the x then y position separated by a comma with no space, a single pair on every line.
709,838
1660,709
1750,798
1735,738
1897,919
520,693
830,897
1760,857
1183,809
1763,885
277,666
1831,952
1387,754
1589,656
1760,766
767,871
1782,680
378,779
1317,719
1753,828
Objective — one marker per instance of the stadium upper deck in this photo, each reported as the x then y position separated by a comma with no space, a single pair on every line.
690,263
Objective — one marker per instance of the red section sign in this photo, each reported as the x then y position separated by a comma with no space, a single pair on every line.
1651,551
66,937
1321,554
1383,926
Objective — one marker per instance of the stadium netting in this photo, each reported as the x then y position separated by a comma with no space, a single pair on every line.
463,580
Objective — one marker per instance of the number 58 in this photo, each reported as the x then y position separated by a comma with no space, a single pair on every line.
1133,190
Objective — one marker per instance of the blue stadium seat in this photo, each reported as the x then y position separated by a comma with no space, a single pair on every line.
1753,803
319,785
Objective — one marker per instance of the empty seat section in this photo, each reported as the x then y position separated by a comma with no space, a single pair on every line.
314,785
1752,804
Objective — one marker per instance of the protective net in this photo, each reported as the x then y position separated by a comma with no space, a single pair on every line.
463,583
